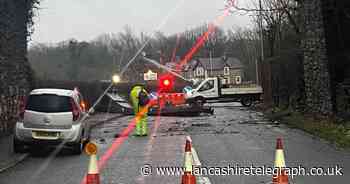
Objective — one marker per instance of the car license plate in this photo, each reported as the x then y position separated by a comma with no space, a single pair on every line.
42,134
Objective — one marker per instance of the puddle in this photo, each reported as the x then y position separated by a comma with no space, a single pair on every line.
202,125
234,132
169,134
173,129
255,122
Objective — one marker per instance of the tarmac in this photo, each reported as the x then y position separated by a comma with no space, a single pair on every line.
8,158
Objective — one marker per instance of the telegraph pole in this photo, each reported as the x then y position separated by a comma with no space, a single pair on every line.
261,30
261,42
211,64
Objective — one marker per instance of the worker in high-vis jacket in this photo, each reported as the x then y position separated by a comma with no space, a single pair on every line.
139,100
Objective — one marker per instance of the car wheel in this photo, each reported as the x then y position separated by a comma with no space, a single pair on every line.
87,138
18,146
78,147
247,101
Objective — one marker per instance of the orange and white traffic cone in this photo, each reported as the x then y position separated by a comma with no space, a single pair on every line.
188,177
93,175
280,177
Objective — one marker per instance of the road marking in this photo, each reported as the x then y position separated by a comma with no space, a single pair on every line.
197,162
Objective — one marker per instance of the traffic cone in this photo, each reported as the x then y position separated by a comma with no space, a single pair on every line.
93,175
280,177
188,177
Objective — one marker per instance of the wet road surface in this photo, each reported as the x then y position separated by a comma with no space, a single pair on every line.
234,135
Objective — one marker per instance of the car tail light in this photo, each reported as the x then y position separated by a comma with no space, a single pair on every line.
83,105
75,110
22,107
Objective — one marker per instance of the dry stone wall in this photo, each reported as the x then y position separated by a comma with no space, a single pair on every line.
15,73
316,70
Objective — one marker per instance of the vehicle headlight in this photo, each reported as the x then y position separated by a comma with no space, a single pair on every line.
188,93
153,96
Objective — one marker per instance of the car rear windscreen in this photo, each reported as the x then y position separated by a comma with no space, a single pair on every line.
49,103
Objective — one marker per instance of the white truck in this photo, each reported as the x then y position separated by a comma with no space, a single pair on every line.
210,90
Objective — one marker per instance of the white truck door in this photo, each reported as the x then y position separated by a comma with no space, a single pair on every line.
209,89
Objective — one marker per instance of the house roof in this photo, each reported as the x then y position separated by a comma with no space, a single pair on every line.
214,63
234,62
190,65
217,63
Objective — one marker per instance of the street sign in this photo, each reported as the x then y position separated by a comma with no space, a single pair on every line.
150,76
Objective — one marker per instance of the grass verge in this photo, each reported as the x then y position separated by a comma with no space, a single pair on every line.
328,129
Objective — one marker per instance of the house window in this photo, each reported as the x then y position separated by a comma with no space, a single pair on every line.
238,79
200,71
225,80
226,70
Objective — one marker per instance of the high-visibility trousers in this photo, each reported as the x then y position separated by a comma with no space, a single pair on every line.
141,123
140,112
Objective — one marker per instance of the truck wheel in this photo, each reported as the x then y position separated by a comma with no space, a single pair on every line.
200,102
246,101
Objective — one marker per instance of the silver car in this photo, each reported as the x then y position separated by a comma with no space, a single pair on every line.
50,117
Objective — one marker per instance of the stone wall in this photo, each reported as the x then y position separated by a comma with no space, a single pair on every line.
15,77
15,72
316,69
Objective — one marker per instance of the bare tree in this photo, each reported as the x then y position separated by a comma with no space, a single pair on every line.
279,23
244,44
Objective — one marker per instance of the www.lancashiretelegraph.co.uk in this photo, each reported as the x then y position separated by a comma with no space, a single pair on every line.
244,171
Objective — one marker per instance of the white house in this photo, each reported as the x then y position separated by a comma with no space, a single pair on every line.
228,68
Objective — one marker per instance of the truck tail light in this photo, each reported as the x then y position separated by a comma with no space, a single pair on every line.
166,83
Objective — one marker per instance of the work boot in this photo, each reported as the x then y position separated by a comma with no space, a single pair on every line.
144,134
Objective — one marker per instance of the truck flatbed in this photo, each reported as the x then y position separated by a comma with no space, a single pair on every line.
242,90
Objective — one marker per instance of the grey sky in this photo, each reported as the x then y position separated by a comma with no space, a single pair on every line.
86,19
